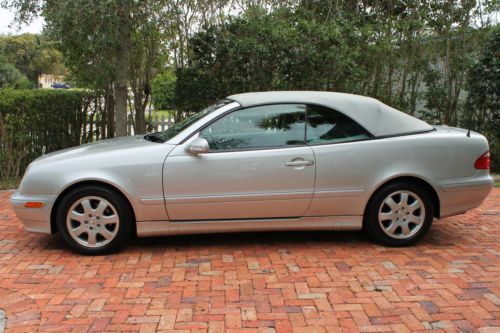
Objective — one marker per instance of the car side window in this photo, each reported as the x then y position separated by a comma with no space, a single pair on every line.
325,126
257,127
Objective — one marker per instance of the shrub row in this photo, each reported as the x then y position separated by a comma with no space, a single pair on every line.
34,121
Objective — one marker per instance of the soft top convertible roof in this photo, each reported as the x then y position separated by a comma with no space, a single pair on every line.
376,117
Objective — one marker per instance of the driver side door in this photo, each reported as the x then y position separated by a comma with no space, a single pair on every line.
257,167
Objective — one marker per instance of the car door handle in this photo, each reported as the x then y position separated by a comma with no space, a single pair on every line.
299,163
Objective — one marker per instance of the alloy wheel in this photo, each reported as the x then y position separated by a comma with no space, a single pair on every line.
401,214
92,221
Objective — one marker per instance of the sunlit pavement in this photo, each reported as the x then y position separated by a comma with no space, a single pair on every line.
259,282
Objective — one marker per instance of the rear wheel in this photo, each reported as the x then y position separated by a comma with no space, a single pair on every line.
94,220
399,214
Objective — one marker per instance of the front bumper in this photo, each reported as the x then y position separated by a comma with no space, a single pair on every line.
33,219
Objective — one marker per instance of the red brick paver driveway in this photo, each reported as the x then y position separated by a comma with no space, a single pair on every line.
270,282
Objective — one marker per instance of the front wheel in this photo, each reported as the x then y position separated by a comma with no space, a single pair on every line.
399,214
94,220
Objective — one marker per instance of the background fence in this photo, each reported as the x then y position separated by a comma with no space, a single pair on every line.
157,123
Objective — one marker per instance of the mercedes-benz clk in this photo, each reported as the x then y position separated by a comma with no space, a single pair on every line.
256,162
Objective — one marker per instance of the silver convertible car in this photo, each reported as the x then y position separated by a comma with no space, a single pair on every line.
256,162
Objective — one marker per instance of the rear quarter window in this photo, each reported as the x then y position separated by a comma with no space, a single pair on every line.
325,126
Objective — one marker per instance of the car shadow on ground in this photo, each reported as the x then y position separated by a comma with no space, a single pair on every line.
233,240
437,237
245,239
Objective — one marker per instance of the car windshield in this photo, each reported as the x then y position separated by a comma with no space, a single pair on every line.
182,125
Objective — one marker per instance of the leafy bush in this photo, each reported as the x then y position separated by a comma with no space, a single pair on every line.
32,55
11,77
164,90
482,112
32,121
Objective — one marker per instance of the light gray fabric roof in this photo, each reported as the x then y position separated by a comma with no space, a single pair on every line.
379,119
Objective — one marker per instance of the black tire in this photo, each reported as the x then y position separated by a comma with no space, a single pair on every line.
371,218
125,219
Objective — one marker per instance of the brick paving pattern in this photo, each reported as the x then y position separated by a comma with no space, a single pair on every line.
258,282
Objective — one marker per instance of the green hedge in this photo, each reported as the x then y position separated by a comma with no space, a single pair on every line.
32,121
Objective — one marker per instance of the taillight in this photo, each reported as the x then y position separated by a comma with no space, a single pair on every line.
483,162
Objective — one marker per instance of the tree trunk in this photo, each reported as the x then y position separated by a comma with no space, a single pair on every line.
407,61
121,92
140,121
414,92
376,80
448,81
110,113
121,70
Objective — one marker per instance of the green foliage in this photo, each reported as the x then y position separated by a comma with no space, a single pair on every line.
33,119
32,55
281,50
11,77
9,184
482,111
404,54
164,90
87,33
108,44
407,54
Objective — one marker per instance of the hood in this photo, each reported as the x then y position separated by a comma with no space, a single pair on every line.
104,146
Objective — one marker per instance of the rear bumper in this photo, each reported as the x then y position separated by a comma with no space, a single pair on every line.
458,196
33,219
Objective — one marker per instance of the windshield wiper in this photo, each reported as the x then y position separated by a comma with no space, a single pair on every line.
154,137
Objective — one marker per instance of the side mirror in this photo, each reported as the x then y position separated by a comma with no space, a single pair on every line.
198,146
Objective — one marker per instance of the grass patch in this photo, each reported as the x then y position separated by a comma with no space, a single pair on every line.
160,113
496,179
9,184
